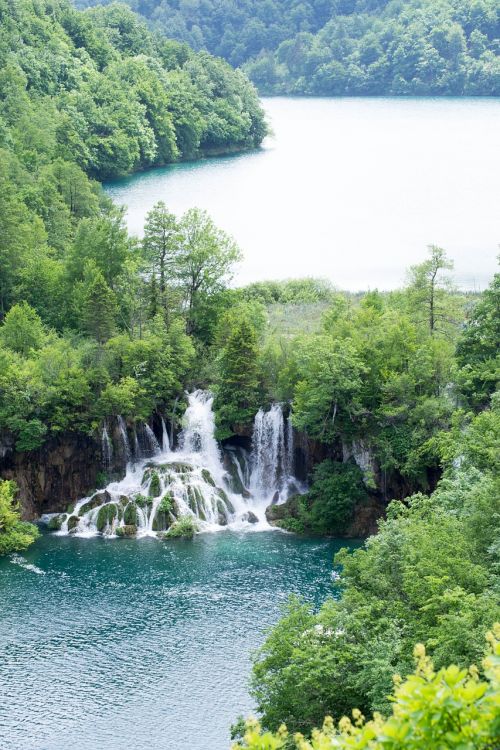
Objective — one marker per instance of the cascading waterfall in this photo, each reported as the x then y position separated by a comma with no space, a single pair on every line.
122,427
172,423
153,446
165,440
217,488
272,454
107,449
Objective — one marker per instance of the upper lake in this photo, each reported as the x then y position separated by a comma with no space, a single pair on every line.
350,189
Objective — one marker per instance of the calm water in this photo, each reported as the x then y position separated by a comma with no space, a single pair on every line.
140,644
350,189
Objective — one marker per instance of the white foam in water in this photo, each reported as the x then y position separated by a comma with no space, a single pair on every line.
23,563
192,478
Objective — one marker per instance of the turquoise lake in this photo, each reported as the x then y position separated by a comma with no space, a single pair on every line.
141,644
350,189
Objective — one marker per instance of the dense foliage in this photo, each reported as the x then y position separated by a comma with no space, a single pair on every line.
93,323
15,535
448,708
344,47
430,575
418,48
97,90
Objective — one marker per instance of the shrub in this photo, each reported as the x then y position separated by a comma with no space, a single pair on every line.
184,528
451,708
15,535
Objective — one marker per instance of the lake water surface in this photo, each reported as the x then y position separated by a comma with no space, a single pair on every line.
349,189
141,644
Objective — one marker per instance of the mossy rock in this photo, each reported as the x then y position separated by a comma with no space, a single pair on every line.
184,528
180,467
106,515
222,513
130,515
124,499
126,531
142,501
191,497
227,502
56,522
70,509
103,497
146,477
207,477
155,485
161,521
73,522
94,502
166,503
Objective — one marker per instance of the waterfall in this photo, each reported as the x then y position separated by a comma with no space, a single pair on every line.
125,441
107,449
154,445
165,441
172,423
137,447
272,453
289,463
217,489
197,437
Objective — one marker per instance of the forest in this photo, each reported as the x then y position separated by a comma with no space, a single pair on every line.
343,47
95,323
98,91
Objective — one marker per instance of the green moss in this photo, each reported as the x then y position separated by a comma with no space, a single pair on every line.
73,522
155,486
70,509
130,516
107,513
207,477
126,531
94,502
227,502
142,501
56,522
184,528
180,467
166,503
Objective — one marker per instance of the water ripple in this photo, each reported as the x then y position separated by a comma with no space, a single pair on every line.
139,643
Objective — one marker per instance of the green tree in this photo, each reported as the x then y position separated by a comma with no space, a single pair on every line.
22,330
161,244
15,535
204,263
429,289
238,380
451,707
478,348
99,307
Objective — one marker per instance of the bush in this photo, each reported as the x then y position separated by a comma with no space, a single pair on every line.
184,528
451,708
15,535
328,506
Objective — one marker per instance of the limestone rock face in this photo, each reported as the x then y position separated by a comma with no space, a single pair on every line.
59,473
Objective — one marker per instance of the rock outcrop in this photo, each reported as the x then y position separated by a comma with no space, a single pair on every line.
62,471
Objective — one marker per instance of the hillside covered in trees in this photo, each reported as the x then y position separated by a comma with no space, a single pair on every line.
97,90
344,47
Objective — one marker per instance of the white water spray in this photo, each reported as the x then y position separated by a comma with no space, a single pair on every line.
194,480
107,449
124,437
272,454
165,440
